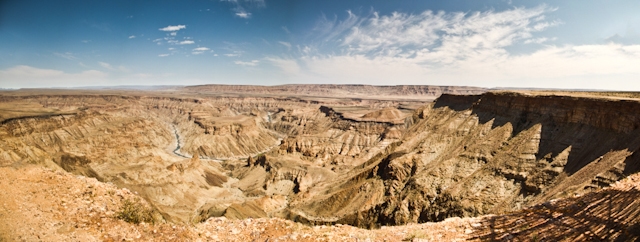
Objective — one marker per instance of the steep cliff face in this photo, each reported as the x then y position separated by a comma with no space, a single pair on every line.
490,153
328,138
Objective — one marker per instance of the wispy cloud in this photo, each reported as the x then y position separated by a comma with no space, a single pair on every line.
173,28
235,49
106,65
289,66
163,55
241,6
247,63
328,29
66,55
186,42
287,44
112,68
132,37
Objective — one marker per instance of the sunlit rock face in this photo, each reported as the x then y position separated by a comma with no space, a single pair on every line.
329,160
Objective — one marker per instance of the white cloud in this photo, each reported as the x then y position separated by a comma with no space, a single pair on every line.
247,63
458,49
243,14
186,42
454,34
173,33
199,50
132,37
27,76
538,40
163,55
173,28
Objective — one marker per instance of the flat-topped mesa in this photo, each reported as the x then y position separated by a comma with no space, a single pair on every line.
612,114
388,115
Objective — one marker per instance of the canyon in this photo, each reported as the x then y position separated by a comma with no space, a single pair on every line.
320,157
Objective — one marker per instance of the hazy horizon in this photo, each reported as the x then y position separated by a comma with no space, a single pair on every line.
489,43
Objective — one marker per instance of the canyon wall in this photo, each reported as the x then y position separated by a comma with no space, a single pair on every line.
351,161
490,153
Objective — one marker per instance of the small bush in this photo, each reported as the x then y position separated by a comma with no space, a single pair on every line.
135,212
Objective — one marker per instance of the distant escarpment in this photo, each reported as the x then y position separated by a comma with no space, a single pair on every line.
343,91
480,154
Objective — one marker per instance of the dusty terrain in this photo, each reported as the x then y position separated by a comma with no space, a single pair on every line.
308,162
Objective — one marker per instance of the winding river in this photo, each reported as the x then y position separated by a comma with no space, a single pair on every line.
176,151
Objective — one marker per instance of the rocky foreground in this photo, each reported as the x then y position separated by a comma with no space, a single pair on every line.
37,204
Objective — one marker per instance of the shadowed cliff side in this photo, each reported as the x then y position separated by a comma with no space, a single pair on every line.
490,153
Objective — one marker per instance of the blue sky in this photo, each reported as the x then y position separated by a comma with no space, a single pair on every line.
491,43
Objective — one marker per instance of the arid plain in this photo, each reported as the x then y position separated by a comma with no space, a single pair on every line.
319,162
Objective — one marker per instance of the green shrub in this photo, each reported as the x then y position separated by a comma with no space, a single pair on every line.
135,212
